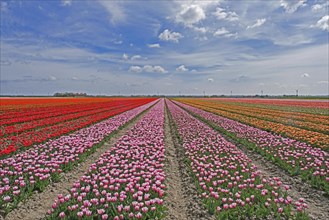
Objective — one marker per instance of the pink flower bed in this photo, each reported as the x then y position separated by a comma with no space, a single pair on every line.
127,182
35,168
294,156
230,185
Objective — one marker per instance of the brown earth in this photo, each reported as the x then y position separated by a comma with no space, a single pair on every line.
182,200
174,201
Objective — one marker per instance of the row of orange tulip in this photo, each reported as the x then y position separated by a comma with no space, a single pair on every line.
267,111
314,138
319,123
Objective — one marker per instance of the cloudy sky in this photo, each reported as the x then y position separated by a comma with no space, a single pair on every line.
164,47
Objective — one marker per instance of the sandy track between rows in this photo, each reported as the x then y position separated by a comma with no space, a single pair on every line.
182,200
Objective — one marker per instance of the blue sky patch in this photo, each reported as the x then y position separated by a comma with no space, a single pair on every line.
166,47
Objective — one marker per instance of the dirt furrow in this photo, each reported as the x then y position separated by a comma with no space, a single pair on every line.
175,202
39,203
182,200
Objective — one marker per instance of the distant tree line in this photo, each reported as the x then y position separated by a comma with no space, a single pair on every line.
70,94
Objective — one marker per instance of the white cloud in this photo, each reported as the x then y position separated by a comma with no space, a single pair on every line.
211,80
203,4
125,56
154,69
305,75
292,40
292,5
323,23
135,69
66,2
323,82
221,14
202,30
182,68
319,7
147,69
190,14
52,78
118,42
153,45
316,7
115,10
258,23
222,32
167,35
135,57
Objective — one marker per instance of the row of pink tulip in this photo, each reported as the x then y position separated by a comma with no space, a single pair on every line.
127,182
229,183
296,157
35,168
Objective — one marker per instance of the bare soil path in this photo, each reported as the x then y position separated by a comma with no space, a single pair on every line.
182,200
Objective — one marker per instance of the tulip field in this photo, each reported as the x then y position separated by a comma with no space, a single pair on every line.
308,127
27,124
236,158
298,158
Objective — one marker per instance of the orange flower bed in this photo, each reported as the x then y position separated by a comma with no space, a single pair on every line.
320,123
270,122
311,103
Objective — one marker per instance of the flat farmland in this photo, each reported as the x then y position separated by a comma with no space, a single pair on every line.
164,158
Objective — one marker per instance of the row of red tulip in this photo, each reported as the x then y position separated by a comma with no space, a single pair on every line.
12,143
14,129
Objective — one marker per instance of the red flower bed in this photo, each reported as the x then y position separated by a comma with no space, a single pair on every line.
58,122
